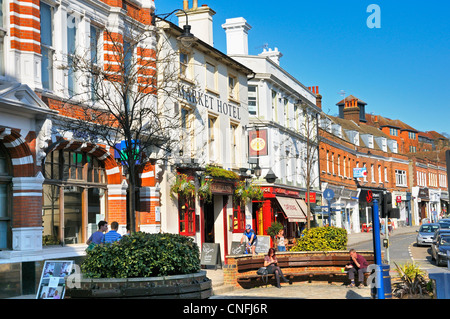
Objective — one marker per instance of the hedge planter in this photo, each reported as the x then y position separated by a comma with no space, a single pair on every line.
189,286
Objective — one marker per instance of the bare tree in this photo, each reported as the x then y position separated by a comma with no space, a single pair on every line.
310,167
115,101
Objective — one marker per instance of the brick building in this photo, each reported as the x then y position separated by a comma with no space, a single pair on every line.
349,142
54,185
398,158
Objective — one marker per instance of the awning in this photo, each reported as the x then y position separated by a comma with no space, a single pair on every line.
304,209
291,209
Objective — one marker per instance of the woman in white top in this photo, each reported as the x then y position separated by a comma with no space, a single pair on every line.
281,245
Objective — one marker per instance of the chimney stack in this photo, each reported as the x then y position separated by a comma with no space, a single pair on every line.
351,110
274,55
236,30
315,90
200,19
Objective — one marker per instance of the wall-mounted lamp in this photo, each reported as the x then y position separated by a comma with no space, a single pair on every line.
186,38
271,177
257,170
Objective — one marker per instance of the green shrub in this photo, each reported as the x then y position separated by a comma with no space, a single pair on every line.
274,229
322,239
143,255
221,173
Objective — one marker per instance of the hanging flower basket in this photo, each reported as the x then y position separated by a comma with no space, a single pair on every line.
183,186
255,192
204,191
244,192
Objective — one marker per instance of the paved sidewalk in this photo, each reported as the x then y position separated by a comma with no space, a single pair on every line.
302,290
298,290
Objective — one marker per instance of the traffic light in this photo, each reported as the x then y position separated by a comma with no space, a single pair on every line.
394,213
387,205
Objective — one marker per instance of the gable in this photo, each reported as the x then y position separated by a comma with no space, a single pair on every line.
16,97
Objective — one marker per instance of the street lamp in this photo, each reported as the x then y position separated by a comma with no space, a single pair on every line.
257,170
270,177
186,38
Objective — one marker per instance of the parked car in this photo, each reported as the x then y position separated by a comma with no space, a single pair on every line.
437,233
425,234
442,246
444,220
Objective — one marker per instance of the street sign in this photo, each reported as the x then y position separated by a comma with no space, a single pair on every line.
359,172
328,194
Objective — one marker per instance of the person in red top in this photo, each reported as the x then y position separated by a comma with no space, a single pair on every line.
358,264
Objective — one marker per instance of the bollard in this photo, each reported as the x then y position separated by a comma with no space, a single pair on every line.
441,283
381,288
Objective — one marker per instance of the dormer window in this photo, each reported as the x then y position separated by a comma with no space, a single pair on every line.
368,140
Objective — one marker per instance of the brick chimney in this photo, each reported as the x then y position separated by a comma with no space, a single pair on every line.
315,90
351,110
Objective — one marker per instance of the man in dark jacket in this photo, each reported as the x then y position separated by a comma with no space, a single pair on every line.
358,264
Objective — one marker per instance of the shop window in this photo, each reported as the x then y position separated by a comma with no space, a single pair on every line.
74,190
238,218
186,212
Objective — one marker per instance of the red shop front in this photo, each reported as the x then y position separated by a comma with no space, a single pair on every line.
282,205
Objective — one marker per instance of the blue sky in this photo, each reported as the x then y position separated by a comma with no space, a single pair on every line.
401,70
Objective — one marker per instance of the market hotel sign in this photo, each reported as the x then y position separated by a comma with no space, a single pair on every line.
210,102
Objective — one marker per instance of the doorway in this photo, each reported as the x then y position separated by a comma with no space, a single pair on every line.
209,221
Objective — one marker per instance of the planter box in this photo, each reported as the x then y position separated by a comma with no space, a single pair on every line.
190,286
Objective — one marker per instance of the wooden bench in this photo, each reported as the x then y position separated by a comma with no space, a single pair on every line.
327,266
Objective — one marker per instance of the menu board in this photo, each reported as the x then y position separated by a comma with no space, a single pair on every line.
237,248
211,255
263,245
53,282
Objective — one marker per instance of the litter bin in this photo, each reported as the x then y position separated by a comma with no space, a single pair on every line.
387,289
441,285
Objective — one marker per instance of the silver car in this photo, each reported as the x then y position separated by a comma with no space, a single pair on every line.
426,233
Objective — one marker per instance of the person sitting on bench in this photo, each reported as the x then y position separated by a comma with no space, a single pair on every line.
271,262
358,264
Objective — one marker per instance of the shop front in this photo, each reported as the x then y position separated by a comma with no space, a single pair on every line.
423,199
435,204
285,206
402,201
344,208
366,197
206,209
444,204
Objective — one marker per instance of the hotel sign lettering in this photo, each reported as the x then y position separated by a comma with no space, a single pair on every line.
210,102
